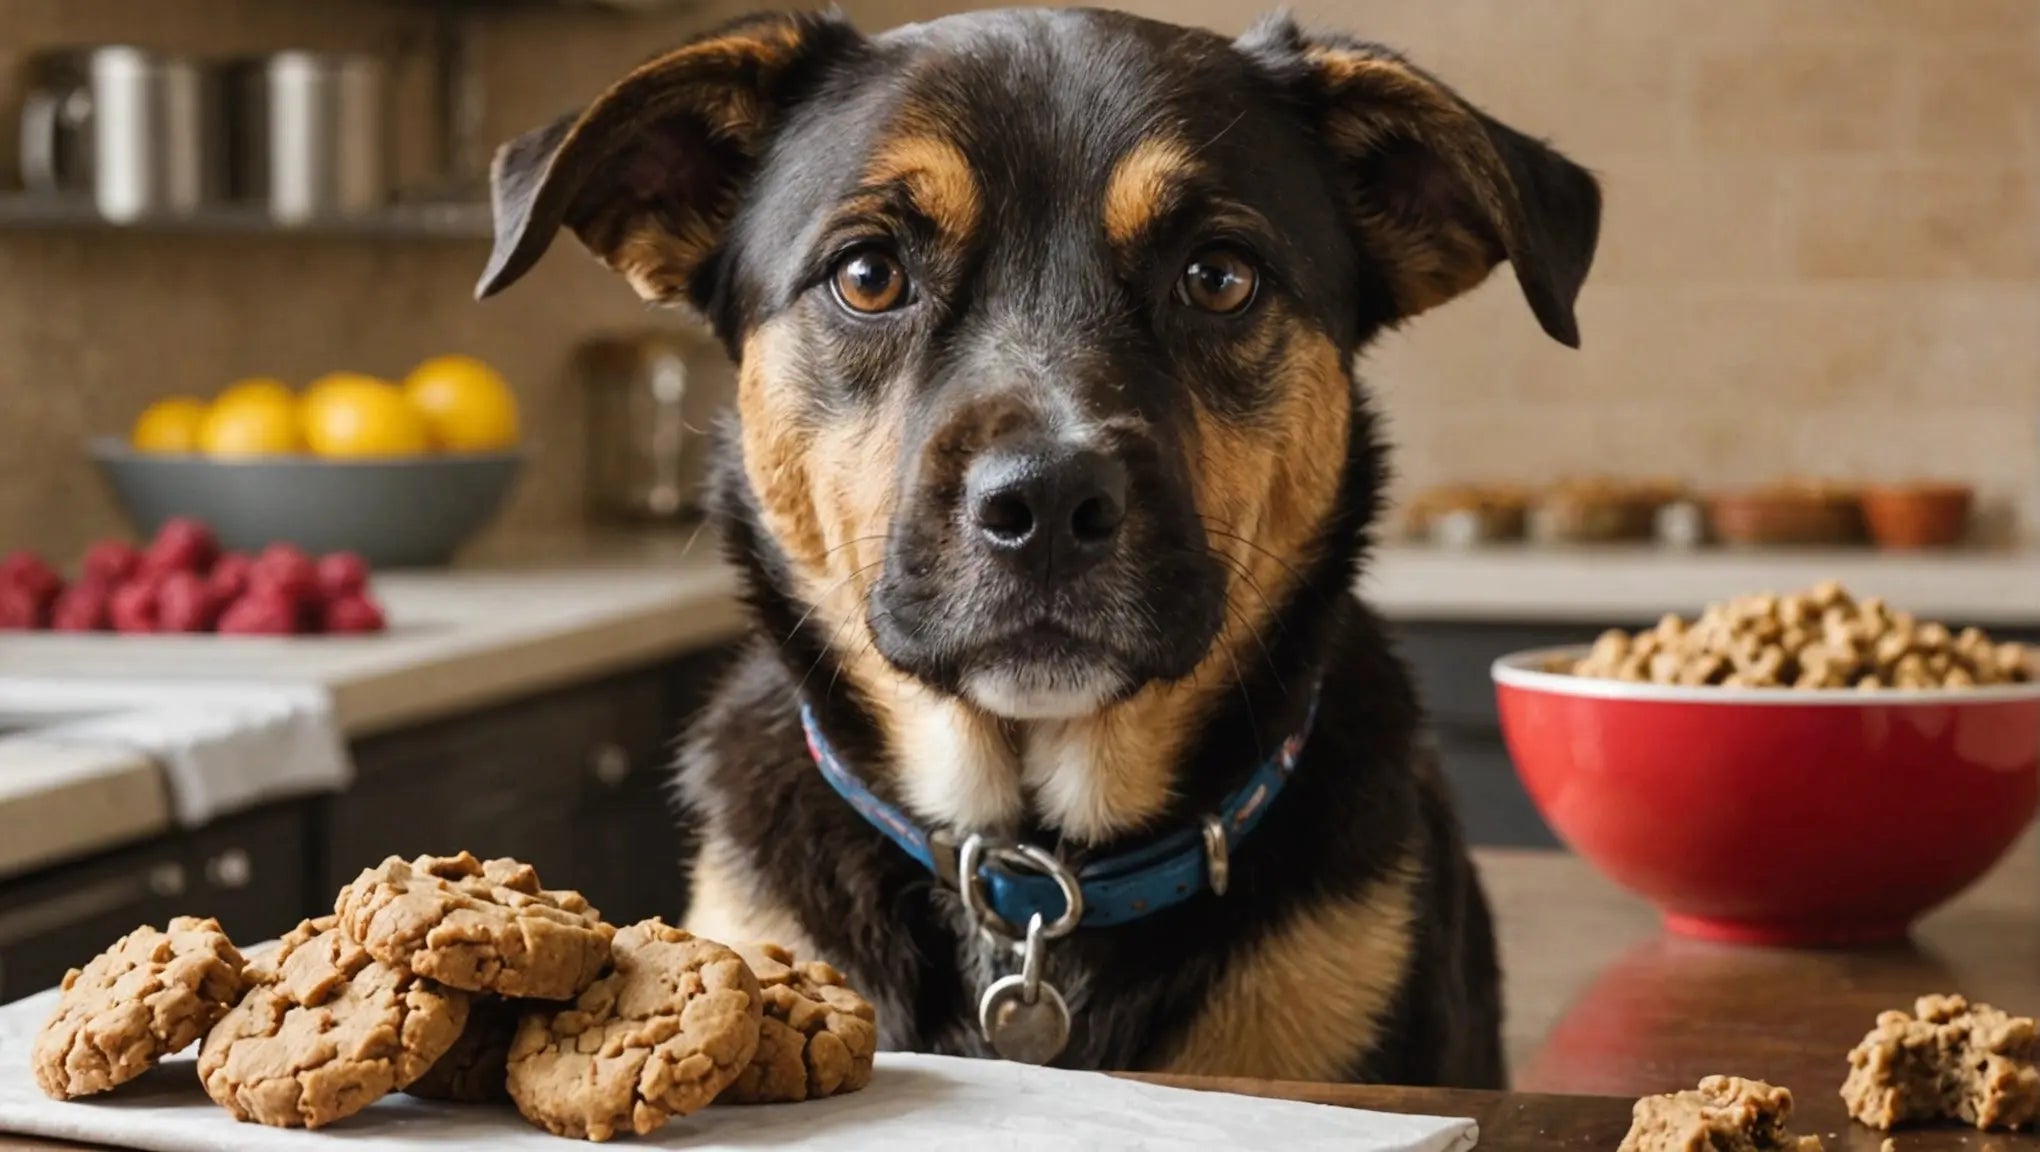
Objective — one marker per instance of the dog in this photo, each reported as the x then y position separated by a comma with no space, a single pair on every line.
1062,732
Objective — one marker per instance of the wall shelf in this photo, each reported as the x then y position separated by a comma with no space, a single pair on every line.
446,220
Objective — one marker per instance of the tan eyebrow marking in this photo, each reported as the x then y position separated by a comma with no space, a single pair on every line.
936,176
1144,185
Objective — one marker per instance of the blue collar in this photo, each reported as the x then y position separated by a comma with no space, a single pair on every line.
1116,890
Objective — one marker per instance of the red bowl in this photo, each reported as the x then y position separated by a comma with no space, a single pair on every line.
1776,816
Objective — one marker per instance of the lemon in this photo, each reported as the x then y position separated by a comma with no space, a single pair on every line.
362,417
337,380
169,425
262,389
465,403
251,422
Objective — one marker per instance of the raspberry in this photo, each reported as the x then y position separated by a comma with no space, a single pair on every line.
80,608
132,607
341,573
229,577
182,545
28,572
353,614
18,610
262,612
286,570
185,603
109,563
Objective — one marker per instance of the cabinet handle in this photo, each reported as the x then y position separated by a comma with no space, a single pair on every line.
609,764
230,869
90,901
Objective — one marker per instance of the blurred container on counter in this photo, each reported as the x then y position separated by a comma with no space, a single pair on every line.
653,398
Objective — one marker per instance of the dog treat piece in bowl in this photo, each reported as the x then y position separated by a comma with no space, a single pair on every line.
1787,770
1820,638
1947,1060
1725,1114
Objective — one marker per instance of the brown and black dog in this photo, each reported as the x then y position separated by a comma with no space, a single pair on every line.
1050,481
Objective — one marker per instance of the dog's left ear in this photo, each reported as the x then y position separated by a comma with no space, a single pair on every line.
1440,192
649,174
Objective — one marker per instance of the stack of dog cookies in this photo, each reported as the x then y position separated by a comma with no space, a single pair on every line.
452,978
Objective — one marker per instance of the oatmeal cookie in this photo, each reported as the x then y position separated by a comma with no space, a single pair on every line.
1949,1059
817,1038
1725,1114
478,926
326,1031
669,1027
473,1070
148,996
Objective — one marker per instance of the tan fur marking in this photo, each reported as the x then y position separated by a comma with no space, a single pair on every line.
827,495
938,177
1141,186
727,906
1308,999
1377,100
1271,482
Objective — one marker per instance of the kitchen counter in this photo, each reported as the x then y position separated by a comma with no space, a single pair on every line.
458,639
1524,584
558,612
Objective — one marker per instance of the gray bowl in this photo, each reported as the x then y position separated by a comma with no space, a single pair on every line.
411,513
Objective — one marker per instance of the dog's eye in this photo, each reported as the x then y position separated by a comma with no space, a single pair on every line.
870,280
1218,280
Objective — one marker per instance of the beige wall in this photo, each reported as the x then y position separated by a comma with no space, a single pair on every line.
1822,250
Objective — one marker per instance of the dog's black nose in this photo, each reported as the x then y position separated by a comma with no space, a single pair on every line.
1050,509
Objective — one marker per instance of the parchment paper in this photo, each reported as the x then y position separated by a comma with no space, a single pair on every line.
914,1102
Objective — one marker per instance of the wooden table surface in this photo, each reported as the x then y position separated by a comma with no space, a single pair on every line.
1603,1008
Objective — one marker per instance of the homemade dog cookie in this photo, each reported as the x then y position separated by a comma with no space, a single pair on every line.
481,927
326,1031
1725,1114
148,996
473,1070
673,1024
1948,1060
817,1039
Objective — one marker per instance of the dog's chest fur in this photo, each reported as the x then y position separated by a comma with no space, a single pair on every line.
785,854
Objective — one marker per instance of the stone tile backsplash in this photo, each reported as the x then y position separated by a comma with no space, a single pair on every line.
1821,252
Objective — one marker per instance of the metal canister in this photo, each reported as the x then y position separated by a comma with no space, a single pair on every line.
312,134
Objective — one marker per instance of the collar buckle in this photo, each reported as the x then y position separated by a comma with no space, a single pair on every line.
978,902
1217,856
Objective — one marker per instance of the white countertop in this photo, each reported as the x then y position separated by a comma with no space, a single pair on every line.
1524,584
474,636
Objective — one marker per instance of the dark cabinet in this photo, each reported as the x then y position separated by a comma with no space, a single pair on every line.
248,871
578,782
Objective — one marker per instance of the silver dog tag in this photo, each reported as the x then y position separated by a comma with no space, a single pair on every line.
1023,1030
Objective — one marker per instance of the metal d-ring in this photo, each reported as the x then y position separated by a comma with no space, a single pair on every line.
977,901
1217,859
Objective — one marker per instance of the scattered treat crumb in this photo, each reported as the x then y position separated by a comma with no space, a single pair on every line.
1820,638
1948,1060
1889,1145
1725,1114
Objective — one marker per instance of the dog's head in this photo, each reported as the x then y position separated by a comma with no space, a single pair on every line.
1046,319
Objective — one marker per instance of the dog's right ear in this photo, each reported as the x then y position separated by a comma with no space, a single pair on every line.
648,175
